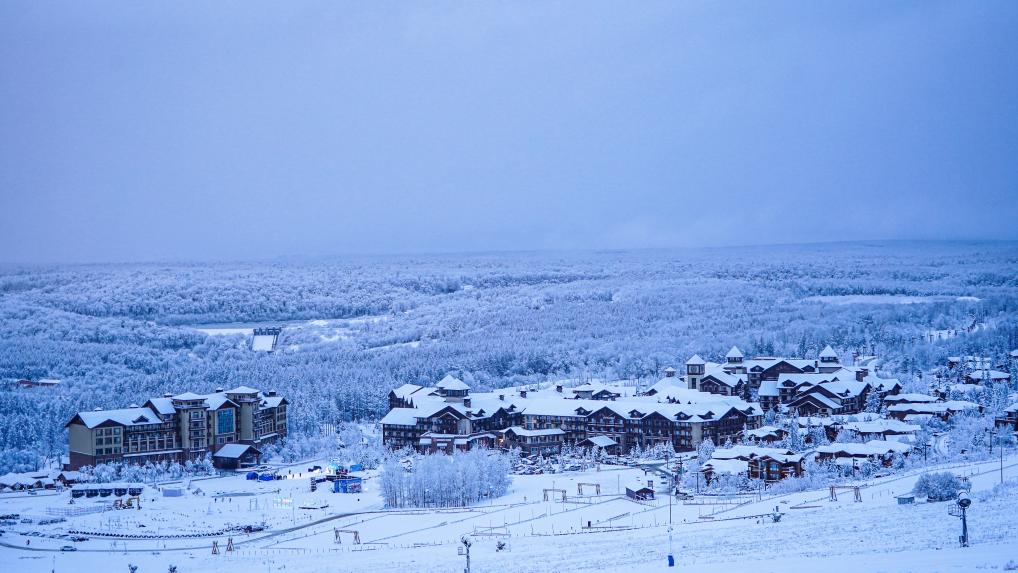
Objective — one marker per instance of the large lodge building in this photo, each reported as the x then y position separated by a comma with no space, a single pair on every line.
719,401
178,428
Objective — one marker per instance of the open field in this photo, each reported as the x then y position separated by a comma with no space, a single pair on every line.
710,534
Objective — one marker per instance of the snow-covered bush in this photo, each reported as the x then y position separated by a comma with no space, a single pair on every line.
439,480
938,486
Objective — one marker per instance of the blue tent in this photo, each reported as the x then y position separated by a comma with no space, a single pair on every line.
252,475
266,477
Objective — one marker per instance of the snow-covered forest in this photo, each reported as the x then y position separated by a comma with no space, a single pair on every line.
118,334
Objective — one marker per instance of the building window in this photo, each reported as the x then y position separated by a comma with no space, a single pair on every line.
225,421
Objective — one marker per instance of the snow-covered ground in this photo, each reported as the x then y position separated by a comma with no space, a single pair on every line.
813,534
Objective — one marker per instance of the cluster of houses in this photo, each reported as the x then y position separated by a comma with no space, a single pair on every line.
42,479
963,373
719,401
229,425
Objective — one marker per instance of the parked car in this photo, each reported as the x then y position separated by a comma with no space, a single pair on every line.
68,548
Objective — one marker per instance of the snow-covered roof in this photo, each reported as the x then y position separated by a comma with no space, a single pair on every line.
695,360
746,452
402,417
763,432
726,466
934,407
534,433
888,426
233,451
730,380
823,400
189,396
216,401
163,405
882,384
451,382
242,390
870,448
913,398
125,416
272,401
602,441
734,352
987,374
405,391
768,388
828,352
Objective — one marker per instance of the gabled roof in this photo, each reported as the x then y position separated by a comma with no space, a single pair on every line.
405,391
815,398
695,360
601,441
828,352
402,417
162,405
734,352
451,382
124,417
234,451
730,380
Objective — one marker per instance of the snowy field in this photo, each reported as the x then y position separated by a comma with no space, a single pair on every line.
584,533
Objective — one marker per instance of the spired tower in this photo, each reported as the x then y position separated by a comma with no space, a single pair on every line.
694,371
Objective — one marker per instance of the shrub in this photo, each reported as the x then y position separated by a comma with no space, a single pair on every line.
938,486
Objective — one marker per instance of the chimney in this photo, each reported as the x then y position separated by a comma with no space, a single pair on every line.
273,393
860,374
167,395
523,393
669,372
558,388
466,402
501,397
219,390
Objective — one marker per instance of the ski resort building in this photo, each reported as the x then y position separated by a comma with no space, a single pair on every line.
178,428
821,387
541,421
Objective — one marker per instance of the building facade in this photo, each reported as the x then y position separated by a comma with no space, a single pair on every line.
542,421
176,428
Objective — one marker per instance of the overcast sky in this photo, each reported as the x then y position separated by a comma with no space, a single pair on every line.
217,130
